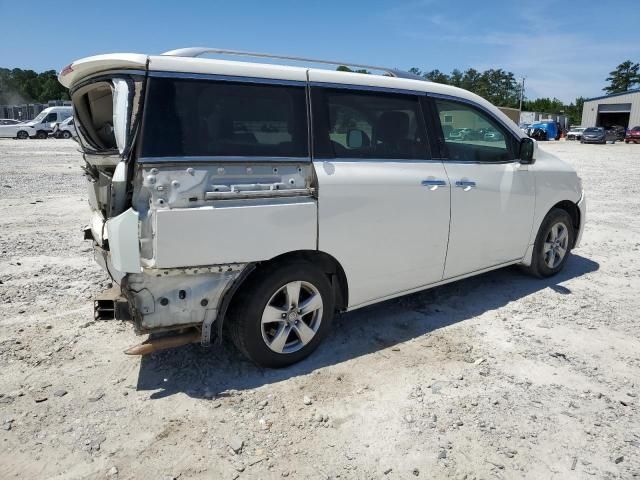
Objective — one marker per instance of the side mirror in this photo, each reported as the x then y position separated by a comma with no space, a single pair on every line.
527,147
355,138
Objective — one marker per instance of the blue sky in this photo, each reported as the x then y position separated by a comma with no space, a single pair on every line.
561,47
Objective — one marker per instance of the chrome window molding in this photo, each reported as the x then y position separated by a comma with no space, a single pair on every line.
225,78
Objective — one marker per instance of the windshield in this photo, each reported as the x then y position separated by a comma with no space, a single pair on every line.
40,117
636,129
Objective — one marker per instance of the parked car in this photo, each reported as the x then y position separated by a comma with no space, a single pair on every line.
523,127
598,135
537,133
633,135
616,131
544,131
39,127
8,121
64,129
575,133
208,222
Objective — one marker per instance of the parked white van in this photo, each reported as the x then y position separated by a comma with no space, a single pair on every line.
39,127
265,198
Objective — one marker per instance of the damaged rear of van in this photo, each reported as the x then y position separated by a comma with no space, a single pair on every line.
194,178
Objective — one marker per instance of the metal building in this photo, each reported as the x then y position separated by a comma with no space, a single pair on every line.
617,109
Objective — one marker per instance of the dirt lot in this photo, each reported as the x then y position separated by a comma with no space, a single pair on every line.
499,376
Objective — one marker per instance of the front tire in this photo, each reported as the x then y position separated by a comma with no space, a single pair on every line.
66,134
553,244
282,314
41,135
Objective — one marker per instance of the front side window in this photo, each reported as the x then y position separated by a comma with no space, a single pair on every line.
472,135
373,125
187,117
52,117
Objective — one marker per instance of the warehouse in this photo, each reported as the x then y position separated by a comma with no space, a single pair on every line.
618,109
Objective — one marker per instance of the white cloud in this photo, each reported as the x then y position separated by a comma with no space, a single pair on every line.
557,60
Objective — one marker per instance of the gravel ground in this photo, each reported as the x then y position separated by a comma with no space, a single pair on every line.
498,376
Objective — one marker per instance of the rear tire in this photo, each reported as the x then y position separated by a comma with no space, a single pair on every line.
553,244
66,134
267,319
22,135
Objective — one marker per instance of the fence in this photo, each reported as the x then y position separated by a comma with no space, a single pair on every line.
29,111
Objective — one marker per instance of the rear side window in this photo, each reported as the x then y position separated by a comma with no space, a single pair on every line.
368,125
186,117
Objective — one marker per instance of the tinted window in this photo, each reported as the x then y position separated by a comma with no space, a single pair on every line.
470,134
211,118
350,124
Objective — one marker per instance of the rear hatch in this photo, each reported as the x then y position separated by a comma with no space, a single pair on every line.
106,92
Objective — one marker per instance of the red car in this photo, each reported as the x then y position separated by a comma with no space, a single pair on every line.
633,135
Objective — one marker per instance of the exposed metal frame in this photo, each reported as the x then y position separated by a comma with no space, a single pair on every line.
198,51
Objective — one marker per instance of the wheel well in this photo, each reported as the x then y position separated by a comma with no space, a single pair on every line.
326,262
573,211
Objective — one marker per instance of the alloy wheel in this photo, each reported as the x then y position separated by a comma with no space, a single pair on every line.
292,317
556,244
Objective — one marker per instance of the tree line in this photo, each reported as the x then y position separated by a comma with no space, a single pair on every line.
26,86
502,88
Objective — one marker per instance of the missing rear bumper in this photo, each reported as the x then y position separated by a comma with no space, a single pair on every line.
111,305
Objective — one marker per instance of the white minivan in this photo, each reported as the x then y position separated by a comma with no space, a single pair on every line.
39,127
265,198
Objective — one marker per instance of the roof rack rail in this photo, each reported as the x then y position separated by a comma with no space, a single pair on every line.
198,51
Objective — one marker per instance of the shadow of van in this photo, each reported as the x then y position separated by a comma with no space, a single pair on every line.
202,373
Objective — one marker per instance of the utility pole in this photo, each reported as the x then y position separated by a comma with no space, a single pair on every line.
521,94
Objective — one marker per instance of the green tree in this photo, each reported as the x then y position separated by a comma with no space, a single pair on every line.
623,78
26,86
437,76
344,68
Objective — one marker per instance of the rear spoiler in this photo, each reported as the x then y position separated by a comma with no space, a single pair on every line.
80,69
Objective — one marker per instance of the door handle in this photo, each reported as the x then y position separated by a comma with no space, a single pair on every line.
434,184
466,185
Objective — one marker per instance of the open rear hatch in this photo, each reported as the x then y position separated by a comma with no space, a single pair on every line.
107,112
